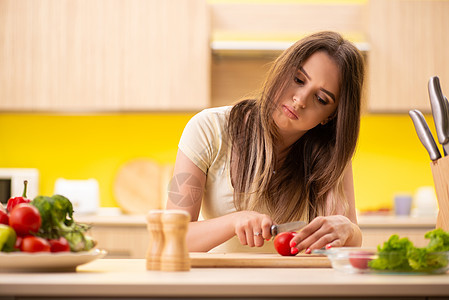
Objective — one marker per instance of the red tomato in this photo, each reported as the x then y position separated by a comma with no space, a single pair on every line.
12,202
35,244
59,245
25,219
18,244
4,219
282,243
360,259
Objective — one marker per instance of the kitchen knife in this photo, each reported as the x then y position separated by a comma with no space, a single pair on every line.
291,226
424,134
447,110
439,112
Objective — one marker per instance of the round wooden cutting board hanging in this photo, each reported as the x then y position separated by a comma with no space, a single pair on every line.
137,186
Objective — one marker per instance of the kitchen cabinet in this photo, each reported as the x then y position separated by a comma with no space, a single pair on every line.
122,241
234,78
377,229
408,44
101,55
404,43
247,37
126,236
122,236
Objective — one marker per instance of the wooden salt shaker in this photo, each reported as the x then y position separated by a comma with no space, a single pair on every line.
156,244
175,255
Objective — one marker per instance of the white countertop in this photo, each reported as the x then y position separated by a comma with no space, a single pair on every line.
129,278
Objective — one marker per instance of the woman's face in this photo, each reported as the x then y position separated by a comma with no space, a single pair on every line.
310,98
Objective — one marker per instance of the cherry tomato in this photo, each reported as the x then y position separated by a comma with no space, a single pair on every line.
59,245
25,219
35,244
360,259
18,244
282,243
4,219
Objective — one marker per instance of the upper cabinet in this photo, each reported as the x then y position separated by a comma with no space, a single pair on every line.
275,25
409,43
405,42
247,36
153,55
104,55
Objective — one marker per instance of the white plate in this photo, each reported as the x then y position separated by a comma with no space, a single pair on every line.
46,261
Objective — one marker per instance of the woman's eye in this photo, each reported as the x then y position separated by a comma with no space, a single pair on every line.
299,81
321,100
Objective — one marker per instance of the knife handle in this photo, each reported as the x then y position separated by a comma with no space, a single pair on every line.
274,230
424,134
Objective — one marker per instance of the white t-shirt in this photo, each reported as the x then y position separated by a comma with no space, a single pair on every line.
206,143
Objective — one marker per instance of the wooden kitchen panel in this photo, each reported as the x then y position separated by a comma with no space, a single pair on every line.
286,18
234,78
408,44
121,241
104,55
373,237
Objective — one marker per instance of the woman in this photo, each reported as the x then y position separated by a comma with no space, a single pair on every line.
283,157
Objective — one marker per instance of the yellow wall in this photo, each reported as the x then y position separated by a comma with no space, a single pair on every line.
82,147
389,157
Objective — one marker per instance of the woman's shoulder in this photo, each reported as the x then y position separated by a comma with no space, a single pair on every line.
214,115
215,111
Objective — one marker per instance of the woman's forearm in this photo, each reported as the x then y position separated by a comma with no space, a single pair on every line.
205,235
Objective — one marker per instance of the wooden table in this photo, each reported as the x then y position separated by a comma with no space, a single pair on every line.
128,278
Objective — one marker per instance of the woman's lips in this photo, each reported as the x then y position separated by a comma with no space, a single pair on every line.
289,112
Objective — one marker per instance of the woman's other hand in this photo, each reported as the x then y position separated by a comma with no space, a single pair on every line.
252,228
324,232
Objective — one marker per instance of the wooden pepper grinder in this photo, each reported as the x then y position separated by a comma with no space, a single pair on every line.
156,244
175,255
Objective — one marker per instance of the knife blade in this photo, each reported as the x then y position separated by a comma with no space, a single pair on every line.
291,226
439,112
424,134
447,110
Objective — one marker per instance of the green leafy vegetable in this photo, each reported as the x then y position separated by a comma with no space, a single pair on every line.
57,220
439,240
393,254
399,254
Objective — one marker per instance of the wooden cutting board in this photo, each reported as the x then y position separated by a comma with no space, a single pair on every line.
137,186
257,260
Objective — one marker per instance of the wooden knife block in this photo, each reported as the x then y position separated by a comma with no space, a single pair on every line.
440,172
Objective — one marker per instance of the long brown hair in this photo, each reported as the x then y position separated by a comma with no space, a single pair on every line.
313,168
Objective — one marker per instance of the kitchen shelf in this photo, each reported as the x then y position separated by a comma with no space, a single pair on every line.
245,47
